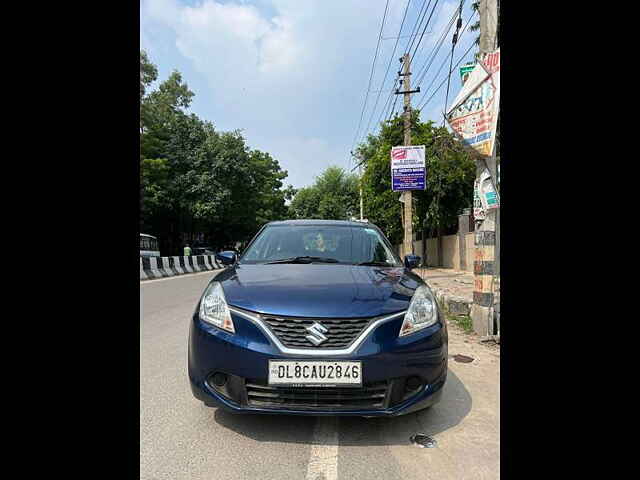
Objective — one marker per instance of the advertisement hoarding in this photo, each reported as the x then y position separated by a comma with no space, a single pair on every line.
408,168
478,211
474,113
488,194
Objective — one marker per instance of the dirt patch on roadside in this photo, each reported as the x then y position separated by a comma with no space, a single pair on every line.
457,330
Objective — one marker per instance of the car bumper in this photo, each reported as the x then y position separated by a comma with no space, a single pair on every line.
386,360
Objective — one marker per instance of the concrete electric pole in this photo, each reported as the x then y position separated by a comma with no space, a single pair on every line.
361,204
408,207
408,196
359,167
484,266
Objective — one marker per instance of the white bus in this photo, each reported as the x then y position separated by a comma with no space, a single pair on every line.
149,246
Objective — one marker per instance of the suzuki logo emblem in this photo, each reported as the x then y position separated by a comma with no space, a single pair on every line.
316,333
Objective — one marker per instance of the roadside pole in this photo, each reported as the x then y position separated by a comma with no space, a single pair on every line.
361,204
407,196
484,265
359,167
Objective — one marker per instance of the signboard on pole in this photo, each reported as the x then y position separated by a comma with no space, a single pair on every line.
478,211
474,113
465,71
408,168
488,194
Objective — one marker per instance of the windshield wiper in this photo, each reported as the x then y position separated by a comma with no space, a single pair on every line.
376,264
304,259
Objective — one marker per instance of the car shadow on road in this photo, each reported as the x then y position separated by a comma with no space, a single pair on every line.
453,407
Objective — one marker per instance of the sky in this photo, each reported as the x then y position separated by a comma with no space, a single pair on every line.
293,74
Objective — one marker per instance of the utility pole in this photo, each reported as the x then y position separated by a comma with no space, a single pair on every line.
407,196
361,204
359,166
484,265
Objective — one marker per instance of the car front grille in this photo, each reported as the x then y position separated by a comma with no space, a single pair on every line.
370,396
292,332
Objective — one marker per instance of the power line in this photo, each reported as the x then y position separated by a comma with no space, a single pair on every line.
403,36
453,46
393,107
425,28
385,109
388,112
414,30
444,61
444,80
434,52
385,113
373,111
373,66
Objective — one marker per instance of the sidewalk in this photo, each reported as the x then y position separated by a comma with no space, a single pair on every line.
453,288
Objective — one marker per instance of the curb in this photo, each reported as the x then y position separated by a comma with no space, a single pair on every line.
453,304
162,267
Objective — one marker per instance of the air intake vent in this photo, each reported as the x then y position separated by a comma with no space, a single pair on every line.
371,396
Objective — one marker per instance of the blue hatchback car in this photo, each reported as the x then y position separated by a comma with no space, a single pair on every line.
318,317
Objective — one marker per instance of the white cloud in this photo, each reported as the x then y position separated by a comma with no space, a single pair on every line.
291,73
305,158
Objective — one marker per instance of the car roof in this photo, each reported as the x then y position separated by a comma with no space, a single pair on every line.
348,223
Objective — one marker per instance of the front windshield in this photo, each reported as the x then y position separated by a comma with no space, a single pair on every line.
351,245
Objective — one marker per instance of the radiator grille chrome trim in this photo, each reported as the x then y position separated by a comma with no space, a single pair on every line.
325,333
255,318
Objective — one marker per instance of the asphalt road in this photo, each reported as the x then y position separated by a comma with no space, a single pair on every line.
180,438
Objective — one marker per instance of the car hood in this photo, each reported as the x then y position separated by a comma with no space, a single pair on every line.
317,290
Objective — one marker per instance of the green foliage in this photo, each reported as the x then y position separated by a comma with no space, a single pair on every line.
476,25
194,179
148,73
463,321
449,185
333,196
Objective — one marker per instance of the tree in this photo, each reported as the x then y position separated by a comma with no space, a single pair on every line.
195,180
475,6
333,196
148,73
305,203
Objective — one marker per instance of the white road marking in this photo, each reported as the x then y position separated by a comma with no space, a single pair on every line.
323,461
178,276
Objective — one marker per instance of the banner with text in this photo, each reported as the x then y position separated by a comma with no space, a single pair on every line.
474,114
408,168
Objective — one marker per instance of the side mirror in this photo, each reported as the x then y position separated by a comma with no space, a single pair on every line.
226,258
412,261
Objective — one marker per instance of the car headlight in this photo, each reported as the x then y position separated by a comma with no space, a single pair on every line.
214,308
422,312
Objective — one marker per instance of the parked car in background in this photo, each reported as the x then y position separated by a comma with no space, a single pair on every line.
318,317
202,250
149,246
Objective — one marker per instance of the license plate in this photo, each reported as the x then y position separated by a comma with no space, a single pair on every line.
317,373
